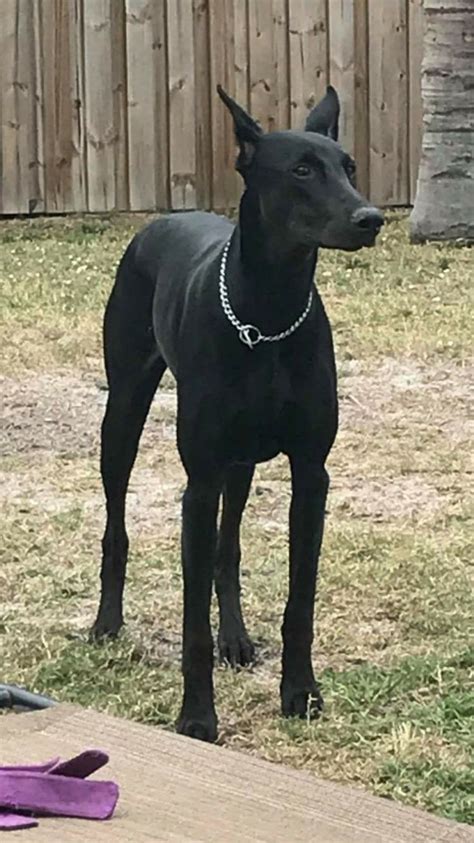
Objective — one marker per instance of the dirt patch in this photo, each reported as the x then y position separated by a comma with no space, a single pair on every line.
52,422
51,417
409,393
62,414
383,500
54,413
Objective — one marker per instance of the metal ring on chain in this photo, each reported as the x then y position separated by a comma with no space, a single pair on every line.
250,335
245,334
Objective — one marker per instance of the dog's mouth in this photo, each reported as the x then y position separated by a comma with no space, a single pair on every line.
369,238
346,237
351,241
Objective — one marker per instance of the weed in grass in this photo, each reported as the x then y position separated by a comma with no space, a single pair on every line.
452,787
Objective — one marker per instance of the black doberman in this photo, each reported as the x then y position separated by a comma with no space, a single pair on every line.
233,312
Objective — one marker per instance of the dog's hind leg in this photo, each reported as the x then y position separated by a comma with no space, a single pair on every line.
134,370
127,409
235,646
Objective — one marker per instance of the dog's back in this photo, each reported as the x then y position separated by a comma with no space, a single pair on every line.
177,243
164,266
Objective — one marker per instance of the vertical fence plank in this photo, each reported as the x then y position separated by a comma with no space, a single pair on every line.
415,56
204,92
388,97
52,158
341,65
361,95
62,67
63,139
141,84
268,62
119,89
228,35
162,126
282,62
262,77
36,203
226,186
242,78
101,132
181,104
77,92
3,92
15,96
147,104
242,87
308,42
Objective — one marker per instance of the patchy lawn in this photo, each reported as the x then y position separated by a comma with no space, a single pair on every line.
395,600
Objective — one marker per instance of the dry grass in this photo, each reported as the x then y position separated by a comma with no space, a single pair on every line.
395,604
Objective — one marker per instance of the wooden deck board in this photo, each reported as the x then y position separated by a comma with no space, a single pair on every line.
173,788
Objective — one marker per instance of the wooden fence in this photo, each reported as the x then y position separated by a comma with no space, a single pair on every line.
111,104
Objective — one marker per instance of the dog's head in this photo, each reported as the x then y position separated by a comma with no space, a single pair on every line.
304,180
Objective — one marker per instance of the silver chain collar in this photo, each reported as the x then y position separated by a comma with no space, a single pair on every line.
249,334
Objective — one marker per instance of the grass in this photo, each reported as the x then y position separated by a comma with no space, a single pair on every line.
393,648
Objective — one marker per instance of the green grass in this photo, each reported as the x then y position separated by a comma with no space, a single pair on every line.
393,646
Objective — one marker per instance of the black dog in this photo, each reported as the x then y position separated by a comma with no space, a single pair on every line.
233,312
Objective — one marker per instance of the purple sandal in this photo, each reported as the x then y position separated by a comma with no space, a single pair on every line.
56,788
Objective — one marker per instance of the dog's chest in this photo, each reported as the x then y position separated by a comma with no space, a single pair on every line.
282,401
256,410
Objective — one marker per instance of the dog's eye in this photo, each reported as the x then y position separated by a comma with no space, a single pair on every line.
302,171
350,168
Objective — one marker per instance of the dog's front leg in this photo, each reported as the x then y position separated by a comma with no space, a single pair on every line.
200,504
300,695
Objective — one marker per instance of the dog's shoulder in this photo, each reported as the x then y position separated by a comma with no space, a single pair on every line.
178,242
186,223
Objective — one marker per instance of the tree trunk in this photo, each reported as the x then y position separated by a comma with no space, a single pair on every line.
444,203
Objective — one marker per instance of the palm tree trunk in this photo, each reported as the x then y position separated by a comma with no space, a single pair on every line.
444,203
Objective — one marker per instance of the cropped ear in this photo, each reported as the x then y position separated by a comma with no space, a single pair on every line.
247,131
324,117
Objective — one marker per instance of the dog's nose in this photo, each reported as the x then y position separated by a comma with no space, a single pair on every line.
368,219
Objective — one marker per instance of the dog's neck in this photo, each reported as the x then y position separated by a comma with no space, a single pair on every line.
269,283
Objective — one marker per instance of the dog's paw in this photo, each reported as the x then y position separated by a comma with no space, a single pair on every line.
305,702
105,629
235,649
200,728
